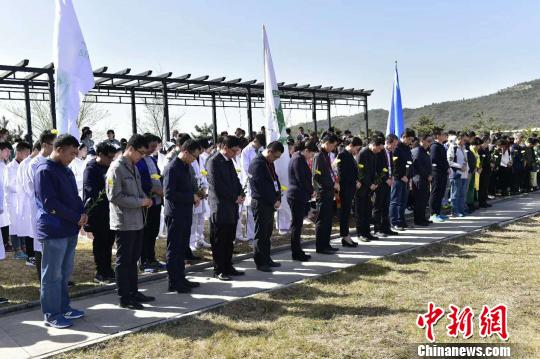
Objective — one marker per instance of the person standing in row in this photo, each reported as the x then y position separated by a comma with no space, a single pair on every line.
324,184
224,195
421,179
179,202
299,193
128,205
60,215
96,205
383,162
402,173
457,159
366,168
439,173
266,199
348,184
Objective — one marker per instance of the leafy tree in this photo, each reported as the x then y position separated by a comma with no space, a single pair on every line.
426,124
204,130
484,124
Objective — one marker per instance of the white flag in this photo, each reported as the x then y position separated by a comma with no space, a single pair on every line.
275,131
74,75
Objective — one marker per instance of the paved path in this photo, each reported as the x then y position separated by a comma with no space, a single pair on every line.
23,335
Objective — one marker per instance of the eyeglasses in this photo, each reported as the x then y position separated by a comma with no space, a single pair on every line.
141,153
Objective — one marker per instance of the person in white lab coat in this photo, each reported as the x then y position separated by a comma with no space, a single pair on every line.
46,140
77,166
14,198
248,154
5,153
196,239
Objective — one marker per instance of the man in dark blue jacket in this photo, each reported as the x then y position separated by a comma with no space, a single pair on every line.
421,179
179,201
402,160
96,205
439,173
265,200
59,218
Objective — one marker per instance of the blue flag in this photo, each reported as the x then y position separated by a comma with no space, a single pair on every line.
395,116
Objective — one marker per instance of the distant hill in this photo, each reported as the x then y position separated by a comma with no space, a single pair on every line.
514,107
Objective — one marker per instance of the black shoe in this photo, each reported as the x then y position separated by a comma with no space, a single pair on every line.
333,249
101,279
390,232
325,251
141,298
3,300
222,276
372,237
301,257
379,234
235,272
421,224
71,284
364,238
179,289
130,304
264,268
349,243
190,284
193,258
273,264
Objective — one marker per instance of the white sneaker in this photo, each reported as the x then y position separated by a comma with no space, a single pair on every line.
242,239
203,244
283,232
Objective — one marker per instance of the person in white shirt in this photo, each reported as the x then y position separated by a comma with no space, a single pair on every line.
78,165
457,159
46,140
5,153
248,154
196,239
14,198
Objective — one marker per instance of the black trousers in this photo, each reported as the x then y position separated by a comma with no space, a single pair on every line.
178,233
298,211
5,235
150,233
38,265
263,215
381,217
363,208
323,223
128,250
347,196
102,249
438,187
504,179
420,189
29,242
485,180
222,237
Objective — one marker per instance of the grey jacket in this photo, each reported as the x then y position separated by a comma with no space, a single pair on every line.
125,195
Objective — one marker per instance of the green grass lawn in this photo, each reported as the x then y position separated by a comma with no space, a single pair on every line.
366,311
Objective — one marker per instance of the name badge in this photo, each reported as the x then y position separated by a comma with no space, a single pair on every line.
276,186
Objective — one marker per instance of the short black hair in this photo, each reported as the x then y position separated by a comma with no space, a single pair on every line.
423,136
261,138
150,137
106,148
137,141
205,143
391,138
408,132
276,146
110,131
182,137
190,146
36,146
300,128
82,145
377,140
353,141
4,145
22,145
330,138
230,141
65,140
437,131
288,130
47,137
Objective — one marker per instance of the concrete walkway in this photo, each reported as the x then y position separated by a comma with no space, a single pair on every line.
23,335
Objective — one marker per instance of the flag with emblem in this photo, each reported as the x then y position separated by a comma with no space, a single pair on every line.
275,131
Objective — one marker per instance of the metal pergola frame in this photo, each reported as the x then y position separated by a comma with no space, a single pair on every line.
25,83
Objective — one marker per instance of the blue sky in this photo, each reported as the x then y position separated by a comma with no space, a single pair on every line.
445,49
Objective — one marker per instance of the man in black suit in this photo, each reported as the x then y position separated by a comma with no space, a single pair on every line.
384,166
402,160
421,179
266,196
348,184
225,193
324,184
179,201
439,172
299,193
367,175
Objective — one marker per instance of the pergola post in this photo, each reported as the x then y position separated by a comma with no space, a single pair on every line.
328,113
28,111
52,96
214,118
166,113
249,114
314,112
133,113
366,116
